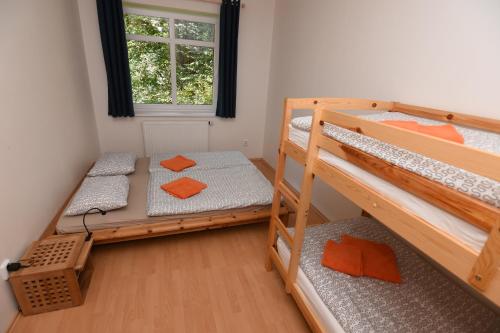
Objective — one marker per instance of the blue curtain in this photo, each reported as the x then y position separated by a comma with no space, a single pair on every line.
114,47
228,58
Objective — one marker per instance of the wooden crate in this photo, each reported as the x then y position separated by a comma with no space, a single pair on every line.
58,276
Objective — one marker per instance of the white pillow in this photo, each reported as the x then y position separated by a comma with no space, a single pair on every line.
106,193
113,164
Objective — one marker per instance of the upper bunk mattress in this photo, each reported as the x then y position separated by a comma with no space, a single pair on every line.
458,228
204,160
228,188
426,300
479,187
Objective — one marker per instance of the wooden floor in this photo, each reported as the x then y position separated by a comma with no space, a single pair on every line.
209,281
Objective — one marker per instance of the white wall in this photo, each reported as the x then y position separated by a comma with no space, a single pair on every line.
256,23
47,132
442,54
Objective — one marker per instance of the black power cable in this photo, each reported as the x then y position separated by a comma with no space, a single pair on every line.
15,266
89,234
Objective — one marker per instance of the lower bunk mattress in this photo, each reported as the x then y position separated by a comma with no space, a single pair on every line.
227,188
426,300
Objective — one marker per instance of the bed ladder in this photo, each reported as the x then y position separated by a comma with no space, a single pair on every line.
300,203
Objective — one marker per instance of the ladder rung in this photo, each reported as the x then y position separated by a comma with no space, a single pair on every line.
289,194
282,229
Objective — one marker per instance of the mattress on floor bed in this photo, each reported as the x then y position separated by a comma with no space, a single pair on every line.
426,301
135,212
458,228
204,160
228,188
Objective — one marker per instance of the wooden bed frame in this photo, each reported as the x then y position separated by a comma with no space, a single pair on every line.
197,222
481,270
169,225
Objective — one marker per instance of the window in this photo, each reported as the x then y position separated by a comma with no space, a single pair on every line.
173,62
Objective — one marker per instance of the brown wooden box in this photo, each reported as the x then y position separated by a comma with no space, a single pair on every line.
58,276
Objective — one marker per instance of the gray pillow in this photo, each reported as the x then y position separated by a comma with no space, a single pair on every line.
113,164
106,193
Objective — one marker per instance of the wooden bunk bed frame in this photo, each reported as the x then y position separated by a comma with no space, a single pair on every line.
481,270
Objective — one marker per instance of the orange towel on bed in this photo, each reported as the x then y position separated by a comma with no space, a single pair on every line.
343,258
184,187
178,163
379,261
446,132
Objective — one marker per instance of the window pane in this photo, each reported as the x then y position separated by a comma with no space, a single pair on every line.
195,74
194,30
146,25
150,72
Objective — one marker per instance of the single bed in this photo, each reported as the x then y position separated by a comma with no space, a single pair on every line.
133,222
488,189
347,304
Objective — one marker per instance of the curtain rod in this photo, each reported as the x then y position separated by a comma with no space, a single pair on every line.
216,2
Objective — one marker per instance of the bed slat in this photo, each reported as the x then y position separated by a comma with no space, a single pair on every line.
491,125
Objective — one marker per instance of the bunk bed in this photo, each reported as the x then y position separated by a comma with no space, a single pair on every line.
136,221
467,245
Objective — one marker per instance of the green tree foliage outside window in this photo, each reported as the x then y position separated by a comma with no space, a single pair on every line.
194,74
150,72
150,63
194,30
146,25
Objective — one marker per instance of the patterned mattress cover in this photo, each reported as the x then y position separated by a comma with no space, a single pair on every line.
204,160
228,188
479,187
426,301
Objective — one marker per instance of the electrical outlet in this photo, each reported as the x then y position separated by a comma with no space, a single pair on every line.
3,269
245,143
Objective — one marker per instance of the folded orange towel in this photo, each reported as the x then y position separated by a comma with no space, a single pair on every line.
178,163
409,125
446,132
344,258
379,261
184,187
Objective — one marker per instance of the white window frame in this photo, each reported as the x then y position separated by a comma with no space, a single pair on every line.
160,110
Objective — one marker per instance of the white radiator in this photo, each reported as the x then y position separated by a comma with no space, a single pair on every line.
175,136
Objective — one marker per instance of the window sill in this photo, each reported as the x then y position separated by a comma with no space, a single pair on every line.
179,114
177,111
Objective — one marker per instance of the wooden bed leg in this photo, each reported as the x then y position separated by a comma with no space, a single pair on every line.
488,261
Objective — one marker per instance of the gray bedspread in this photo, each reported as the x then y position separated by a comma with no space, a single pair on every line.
228,188
426,301
482,188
